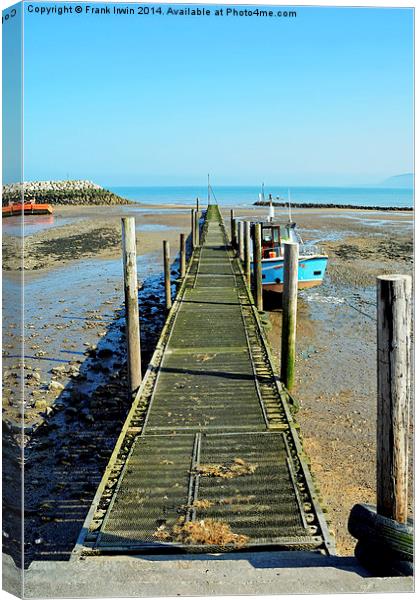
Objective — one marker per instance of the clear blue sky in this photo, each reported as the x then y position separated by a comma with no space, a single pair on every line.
324,98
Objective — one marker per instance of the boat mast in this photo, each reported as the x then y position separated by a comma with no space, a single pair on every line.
271,209
290,208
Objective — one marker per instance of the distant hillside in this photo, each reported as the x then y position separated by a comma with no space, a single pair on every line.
61,192
400,181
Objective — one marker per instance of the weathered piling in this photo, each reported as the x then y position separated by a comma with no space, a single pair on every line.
393,408
193,243
234,225
247,253
384,533
132,320
167,274
182,255
288,335
232,228
198,203
197,227
241,240
258,295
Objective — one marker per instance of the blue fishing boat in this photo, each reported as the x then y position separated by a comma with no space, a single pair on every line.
312,260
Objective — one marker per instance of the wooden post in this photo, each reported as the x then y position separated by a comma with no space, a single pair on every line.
182,254
197,227
198,203
232,228
393,412
288,334
234,236
258,296
237,236
247,252
132,321
241,240
193,244
167,274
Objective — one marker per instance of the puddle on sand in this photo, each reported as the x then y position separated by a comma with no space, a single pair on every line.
19,226
405,222
33,224
317,297
329,295
153,227
317,236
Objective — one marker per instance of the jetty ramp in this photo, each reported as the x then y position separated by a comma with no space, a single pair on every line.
209,458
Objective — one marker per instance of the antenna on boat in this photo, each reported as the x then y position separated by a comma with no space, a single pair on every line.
271,209
290,208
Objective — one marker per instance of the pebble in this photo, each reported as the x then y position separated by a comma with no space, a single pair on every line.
41,405
55,385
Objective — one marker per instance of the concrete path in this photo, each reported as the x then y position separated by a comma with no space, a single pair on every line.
234,574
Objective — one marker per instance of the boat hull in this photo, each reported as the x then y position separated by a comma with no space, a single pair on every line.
278,287
311,272
27,209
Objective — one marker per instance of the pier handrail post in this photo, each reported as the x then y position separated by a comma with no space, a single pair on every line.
288,334
241,240
232,228
193,229
132,319
247,252
198,203
197,227
182,259
167,274
258,295
234,236
394,394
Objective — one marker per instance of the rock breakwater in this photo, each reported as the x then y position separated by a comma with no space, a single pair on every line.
76,192
319,205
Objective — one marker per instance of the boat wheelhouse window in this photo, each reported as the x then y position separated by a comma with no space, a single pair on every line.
271,234
267,234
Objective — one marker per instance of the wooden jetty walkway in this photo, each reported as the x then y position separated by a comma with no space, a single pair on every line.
210,442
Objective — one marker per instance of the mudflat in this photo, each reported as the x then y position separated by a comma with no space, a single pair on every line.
75,351
80,232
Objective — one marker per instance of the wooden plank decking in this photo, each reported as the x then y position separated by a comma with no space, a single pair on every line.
210,397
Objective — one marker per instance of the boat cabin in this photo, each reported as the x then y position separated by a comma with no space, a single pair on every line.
272,237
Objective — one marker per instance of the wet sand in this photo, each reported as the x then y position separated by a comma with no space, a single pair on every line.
75,400
76,233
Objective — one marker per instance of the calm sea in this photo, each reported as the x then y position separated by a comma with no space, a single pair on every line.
247,195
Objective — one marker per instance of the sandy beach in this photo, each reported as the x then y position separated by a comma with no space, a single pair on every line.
75,346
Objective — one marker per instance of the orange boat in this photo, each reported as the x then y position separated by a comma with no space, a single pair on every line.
27,208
